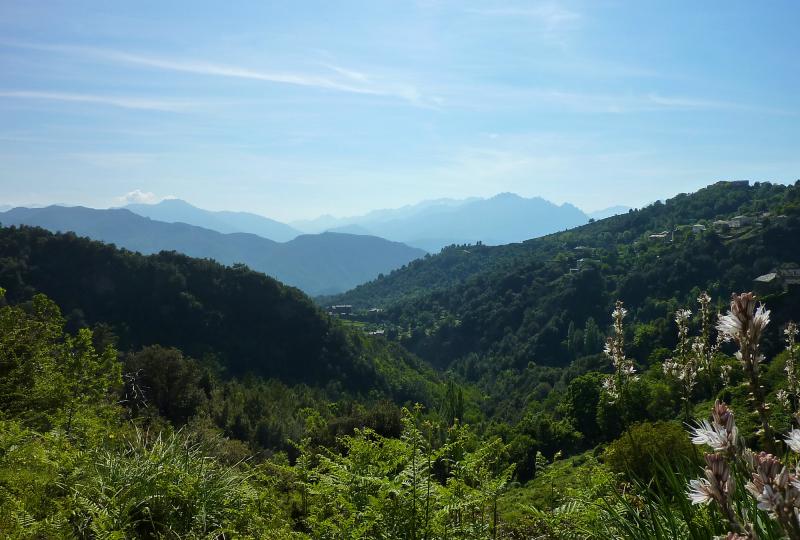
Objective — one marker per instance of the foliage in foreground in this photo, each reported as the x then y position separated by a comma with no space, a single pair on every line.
71,466
405,488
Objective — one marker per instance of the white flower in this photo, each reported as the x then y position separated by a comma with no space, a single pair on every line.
628,370
699,491
793,440
713,435
729,326
610,386
669,366
744,322
782,396
682,315
790,330
761,319
768,500
725,372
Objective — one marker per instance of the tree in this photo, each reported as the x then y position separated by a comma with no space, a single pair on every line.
47,377
592,337
29,337
84,375
580,403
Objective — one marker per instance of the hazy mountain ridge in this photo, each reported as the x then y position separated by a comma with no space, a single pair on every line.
431,225
318,264
179,211
328,222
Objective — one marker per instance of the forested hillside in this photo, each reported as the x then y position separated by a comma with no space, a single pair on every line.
242,320
458,263
544,302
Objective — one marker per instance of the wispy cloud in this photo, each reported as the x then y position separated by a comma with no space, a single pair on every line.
550,14
494,97
124,102
553,20
688,103
341,79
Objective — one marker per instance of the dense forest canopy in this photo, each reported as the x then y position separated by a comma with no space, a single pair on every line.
239,319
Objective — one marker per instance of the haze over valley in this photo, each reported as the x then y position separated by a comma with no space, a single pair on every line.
340,254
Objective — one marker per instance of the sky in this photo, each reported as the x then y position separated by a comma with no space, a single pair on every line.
295,109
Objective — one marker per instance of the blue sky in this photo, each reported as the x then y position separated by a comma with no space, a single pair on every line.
293,109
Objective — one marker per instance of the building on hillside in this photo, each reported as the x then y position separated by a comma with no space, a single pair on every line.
741,221
721,224
783,278
663,235
790,273
340,310
767,284
582,263
698,228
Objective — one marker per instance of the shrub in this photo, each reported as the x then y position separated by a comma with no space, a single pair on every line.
644,449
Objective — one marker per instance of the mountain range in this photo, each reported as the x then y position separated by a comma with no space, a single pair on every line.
336,254
318,264
176,210
327,221
432,225
429,225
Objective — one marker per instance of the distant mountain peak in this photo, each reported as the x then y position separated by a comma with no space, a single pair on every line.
180,211
172,202
506,195
504,218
